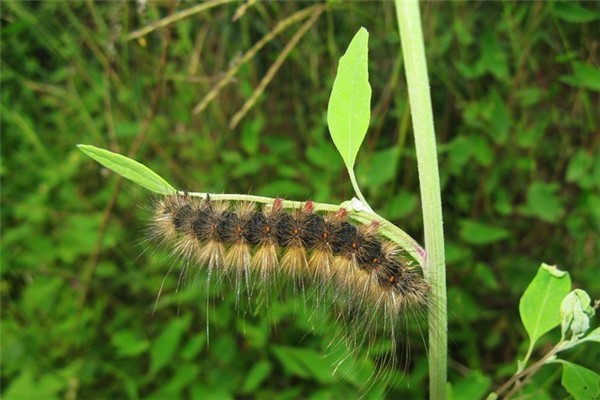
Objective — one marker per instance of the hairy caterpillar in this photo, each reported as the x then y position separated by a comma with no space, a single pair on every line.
260,245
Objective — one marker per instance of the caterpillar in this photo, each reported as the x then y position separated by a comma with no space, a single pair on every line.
259,245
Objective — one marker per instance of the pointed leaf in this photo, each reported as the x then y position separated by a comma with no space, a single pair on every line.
349,110
129,169
593,336
540,304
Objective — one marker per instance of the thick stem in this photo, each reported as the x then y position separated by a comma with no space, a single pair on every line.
413,49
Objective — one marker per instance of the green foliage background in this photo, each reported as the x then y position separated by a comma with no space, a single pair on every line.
516,95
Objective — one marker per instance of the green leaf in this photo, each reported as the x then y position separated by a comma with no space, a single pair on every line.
573,12
27,385
472,386
593,336
259,372
381,169
540,304
543,202
580,382
499,118
575,312
304,363
579,170
129,169
165,346
129,344
478,233
401,205
584,75
493,57
349,110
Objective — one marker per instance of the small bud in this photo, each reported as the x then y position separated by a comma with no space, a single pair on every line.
277,205
309,206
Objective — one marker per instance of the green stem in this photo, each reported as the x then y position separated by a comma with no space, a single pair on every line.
358,192
526,374
413,49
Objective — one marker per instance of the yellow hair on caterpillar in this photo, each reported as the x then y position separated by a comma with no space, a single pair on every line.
263,244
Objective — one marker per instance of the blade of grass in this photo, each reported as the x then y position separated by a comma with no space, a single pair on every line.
413,50
174,18
29,133
274,68
239,13
280,27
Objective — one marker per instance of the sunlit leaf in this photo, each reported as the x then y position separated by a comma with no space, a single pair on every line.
540,304
349,110
129,169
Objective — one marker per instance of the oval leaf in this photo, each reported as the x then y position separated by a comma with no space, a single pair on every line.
478,233
349,109
580,382
540,304
129,169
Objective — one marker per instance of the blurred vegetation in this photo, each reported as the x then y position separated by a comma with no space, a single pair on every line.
516,94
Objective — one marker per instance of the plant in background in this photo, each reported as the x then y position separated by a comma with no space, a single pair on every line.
516,135
369,266
547,303
183,217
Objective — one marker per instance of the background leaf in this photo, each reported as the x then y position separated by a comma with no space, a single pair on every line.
129,169
479,233
573,12
164,347
584,75
540,304
472,386
349,110
543,202
70,76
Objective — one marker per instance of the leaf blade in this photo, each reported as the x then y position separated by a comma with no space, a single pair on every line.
580,382
540,304
129,169
349,108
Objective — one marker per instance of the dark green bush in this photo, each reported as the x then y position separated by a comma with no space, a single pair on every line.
516,95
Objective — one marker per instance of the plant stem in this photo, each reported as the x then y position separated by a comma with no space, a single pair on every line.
526,374
358,192
413,49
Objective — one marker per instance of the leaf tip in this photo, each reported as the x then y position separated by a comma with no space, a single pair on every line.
84,147
553,270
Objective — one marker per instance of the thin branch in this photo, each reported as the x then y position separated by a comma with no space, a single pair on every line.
280,27
519,379
274,68
162,23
